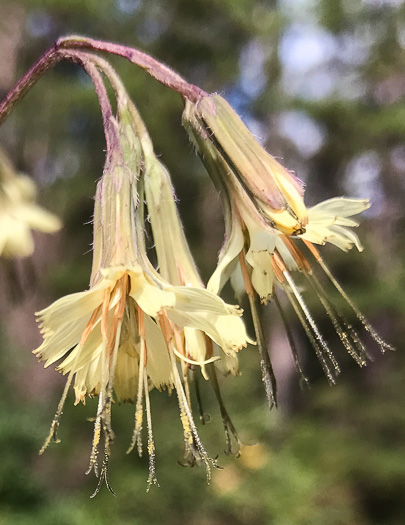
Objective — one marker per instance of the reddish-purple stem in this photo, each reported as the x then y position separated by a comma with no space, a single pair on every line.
85,60
156,69
57,52
31,77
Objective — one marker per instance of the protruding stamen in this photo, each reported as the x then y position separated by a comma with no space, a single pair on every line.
346,333
204,418
151,443
106,416
311,322
184,368
304,381
230,430
52,436
137,434
93,464
192,439
377,338
104,476
268,377
312,337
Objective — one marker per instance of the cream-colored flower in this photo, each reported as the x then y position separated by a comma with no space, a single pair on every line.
262,200
265,216
329,221
126,332
76,321
176,265
252,174
19,214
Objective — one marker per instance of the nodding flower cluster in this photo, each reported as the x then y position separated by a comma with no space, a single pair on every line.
138,327
265,220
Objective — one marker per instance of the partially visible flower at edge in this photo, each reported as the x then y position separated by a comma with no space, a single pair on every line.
19,214
264,214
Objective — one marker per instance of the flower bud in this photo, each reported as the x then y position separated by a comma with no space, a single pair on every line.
245,166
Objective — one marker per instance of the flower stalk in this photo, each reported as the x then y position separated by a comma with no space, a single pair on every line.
56,53
265,216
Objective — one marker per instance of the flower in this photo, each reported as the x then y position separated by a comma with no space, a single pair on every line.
253,174
19,214
327,222
177,266
124,334
265,214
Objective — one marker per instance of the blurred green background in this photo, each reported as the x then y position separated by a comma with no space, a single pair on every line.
322,85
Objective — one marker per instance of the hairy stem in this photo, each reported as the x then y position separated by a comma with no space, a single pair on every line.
31,77
57,52
89,63
156,69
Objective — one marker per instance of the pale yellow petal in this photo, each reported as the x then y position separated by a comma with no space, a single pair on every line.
69,309
262,273
88,379
56,344
199,300
40,219
19,241
228,259
329,222
81,356
126,372
150,297
158,365
340,207
228,331
232,335
195,344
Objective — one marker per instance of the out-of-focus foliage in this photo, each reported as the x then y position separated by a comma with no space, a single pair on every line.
322,84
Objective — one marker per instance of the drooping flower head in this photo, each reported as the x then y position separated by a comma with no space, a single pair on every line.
19,214
177,266
264,215
123,336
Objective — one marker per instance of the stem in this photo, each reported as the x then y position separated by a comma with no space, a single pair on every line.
156,69
89,64
31,77
57,52
50,58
